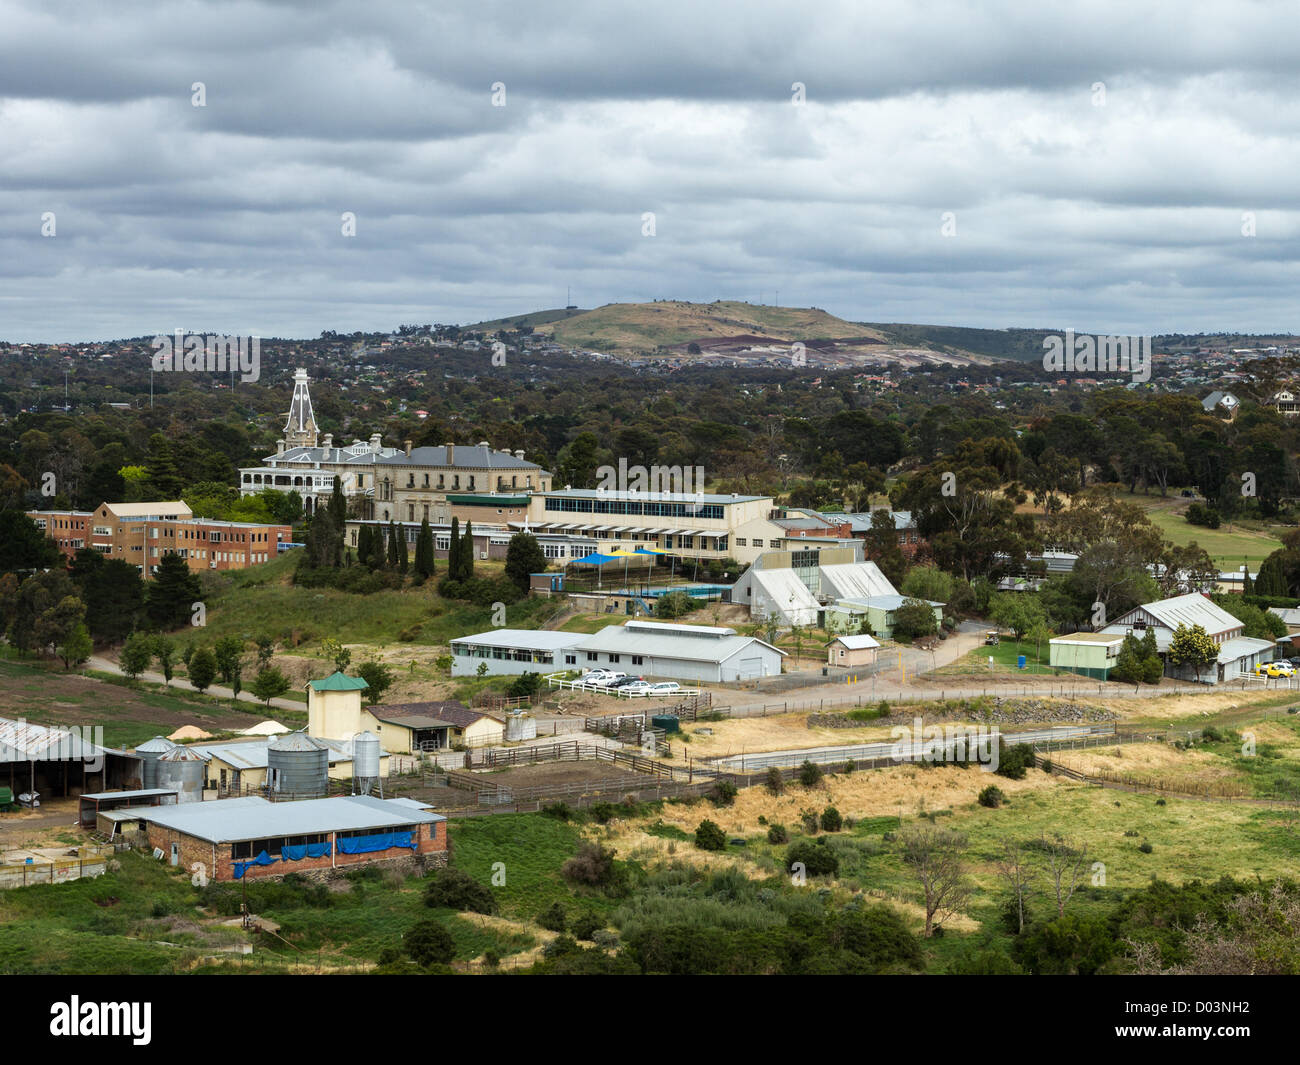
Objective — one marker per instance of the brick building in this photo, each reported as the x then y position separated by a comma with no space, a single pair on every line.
235,838
141,533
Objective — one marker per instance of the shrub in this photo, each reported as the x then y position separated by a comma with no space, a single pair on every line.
723,793
809,820
774,781
459,891
778,834
710,837
1014,760
816,856
810,774
560,811
428,943
1146,847
991,797
586,925
1160,802
831,820
593,865
553,918
850,766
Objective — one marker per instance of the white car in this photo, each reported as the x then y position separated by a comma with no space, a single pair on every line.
609,677
667,687
636,687
594,676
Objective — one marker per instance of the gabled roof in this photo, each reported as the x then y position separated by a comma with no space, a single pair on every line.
860,642
1191,609
464,456
451,712
172,508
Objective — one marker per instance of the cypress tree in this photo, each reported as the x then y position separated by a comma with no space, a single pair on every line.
467,556
338,508
363,545
403,551
453,551
424,551
393,557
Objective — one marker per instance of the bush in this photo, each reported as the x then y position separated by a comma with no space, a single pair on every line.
593,865
459,891
810,774
553,918
778,834
1146,848
816,856
723,793
428,943
1014,760
560,811
809,820
831,820
774,781
710,837
991,797
1205,516
586,925
525,685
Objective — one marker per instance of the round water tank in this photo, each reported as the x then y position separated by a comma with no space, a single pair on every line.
365,756
298,767
182,770
149,752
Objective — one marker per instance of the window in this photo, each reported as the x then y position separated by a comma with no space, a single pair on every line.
741,542
570,660
758,543
591,656
613,659
637,660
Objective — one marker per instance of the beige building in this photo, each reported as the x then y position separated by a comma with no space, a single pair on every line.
336,711
852,652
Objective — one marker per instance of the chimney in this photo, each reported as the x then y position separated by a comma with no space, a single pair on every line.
328,441
485,444
375,442
279,447
407,445
519,454
451,454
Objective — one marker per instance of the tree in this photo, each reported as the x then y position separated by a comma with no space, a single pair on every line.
467,549
1065,866
394,552
403,551
269,684
226,655
113,593
881,546
203,669
428,943
265,649
424,553
29,603
172,593
57,623
1192,647
524,557
136,654
165,651
332,649
914,619
76,647
1015,869
23,546
927,582
378,676
453,551
936,858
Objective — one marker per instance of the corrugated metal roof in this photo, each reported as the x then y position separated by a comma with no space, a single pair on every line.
623,639
139,793
855,580
524,639
221,822
339,682
1242,647
296,741
856,643
21,741
1191,609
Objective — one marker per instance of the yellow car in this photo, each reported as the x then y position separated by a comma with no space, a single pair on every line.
1274,669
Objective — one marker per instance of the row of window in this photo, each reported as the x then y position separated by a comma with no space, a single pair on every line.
710,511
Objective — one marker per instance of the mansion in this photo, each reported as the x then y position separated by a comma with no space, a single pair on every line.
384,483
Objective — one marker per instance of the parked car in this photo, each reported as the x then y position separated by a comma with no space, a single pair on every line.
622,681
991,639
666,687
636,686
1274,669
609,679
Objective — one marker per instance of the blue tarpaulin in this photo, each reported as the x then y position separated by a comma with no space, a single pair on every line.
261,859
305,850
381,841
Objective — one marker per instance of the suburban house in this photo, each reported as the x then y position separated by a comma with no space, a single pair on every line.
1285,402
1224,404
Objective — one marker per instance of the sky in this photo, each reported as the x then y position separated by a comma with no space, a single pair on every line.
1109,167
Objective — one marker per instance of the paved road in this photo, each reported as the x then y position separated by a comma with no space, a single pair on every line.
902,751
107,666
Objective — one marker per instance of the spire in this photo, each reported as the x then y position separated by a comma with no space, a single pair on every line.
300,429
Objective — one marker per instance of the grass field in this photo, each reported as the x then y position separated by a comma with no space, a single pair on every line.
1230,545
1004,656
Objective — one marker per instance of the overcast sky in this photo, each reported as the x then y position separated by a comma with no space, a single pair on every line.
1097,160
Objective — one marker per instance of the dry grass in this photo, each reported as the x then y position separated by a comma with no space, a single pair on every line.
1150,762
778,733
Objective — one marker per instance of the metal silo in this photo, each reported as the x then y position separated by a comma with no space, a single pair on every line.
182,771
297,767
149,753
365,764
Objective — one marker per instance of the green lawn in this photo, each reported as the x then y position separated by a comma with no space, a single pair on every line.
1004,656
1230,545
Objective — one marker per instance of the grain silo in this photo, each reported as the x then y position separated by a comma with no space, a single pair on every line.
182,770
149,753
365,764
297,767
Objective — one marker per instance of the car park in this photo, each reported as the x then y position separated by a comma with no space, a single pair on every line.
622,681
610,679
636,687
